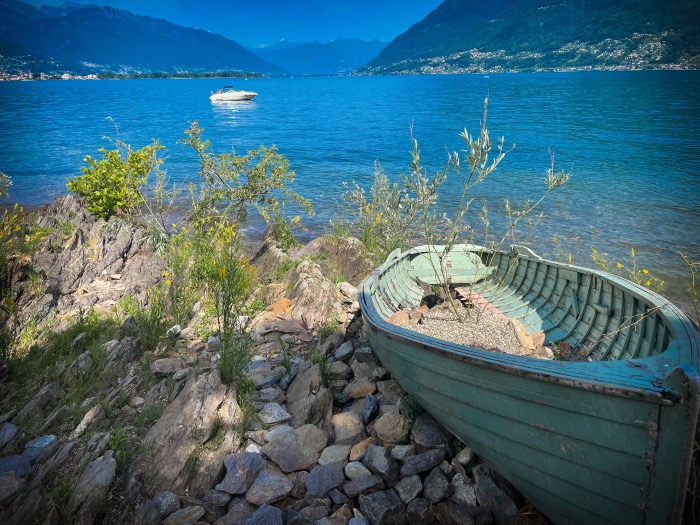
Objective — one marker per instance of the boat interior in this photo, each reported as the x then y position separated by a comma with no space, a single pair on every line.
600,316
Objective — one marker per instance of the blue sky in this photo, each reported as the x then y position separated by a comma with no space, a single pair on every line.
262,22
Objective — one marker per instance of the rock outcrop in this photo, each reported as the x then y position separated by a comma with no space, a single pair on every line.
185,429
83,262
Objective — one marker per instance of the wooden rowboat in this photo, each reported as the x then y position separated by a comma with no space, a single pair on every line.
607,439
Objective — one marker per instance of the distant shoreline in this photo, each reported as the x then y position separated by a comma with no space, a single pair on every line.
25,77
126,76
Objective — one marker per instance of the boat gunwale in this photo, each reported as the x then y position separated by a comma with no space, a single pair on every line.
646,374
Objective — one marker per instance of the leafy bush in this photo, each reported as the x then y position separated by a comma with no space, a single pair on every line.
20,233
115,183
231,184
382,220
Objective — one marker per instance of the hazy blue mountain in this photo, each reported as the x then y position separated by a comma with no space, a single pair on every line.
14,13
92,38
314,58
525,35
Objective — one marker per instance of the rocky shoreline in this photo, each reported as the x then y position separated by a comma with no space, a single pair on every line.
333,441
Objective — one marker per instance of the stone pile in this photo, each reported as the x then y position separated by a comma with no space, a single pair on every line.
336,442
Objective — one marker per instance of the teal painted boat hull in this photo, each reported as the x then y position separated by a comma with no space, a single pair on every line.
604,440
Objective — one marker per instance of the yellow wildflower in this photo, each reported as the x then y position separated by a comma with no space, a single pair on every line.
619,265
645,271
648,283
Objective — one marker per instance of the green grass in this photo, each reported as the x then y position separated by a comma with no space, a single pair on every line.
150,316
192,463
324,368
45,354
34,284
328,328
150,415
284,268
124,445
217,434
235,357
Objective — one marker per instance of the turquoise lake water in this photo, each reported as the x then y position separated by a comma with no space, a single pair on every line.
632,140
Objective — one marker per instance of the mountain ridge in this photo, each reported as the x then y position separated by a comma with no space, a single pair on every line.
459,36
471,36
92,39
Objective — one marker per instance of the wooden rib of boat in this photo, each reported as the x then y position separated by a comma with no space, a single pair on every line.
607,439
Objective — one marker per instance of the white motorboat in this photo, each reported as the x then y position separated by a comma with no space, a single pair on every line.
229,94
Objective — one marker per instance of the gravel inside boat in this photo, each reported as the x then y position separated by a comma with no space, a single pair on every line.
480,328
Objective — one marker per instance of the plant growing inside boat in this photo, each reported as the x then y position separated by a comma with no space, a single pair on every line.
442,232
386,216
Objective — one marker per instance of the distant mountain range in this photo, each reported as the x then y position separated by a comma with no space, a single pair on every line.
459,36
90,39
468,36
340,56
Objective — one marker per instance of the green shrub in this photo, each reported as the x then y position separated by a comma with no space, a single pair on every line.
382,217
230,280
231,184
115,183
20,234
182,282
